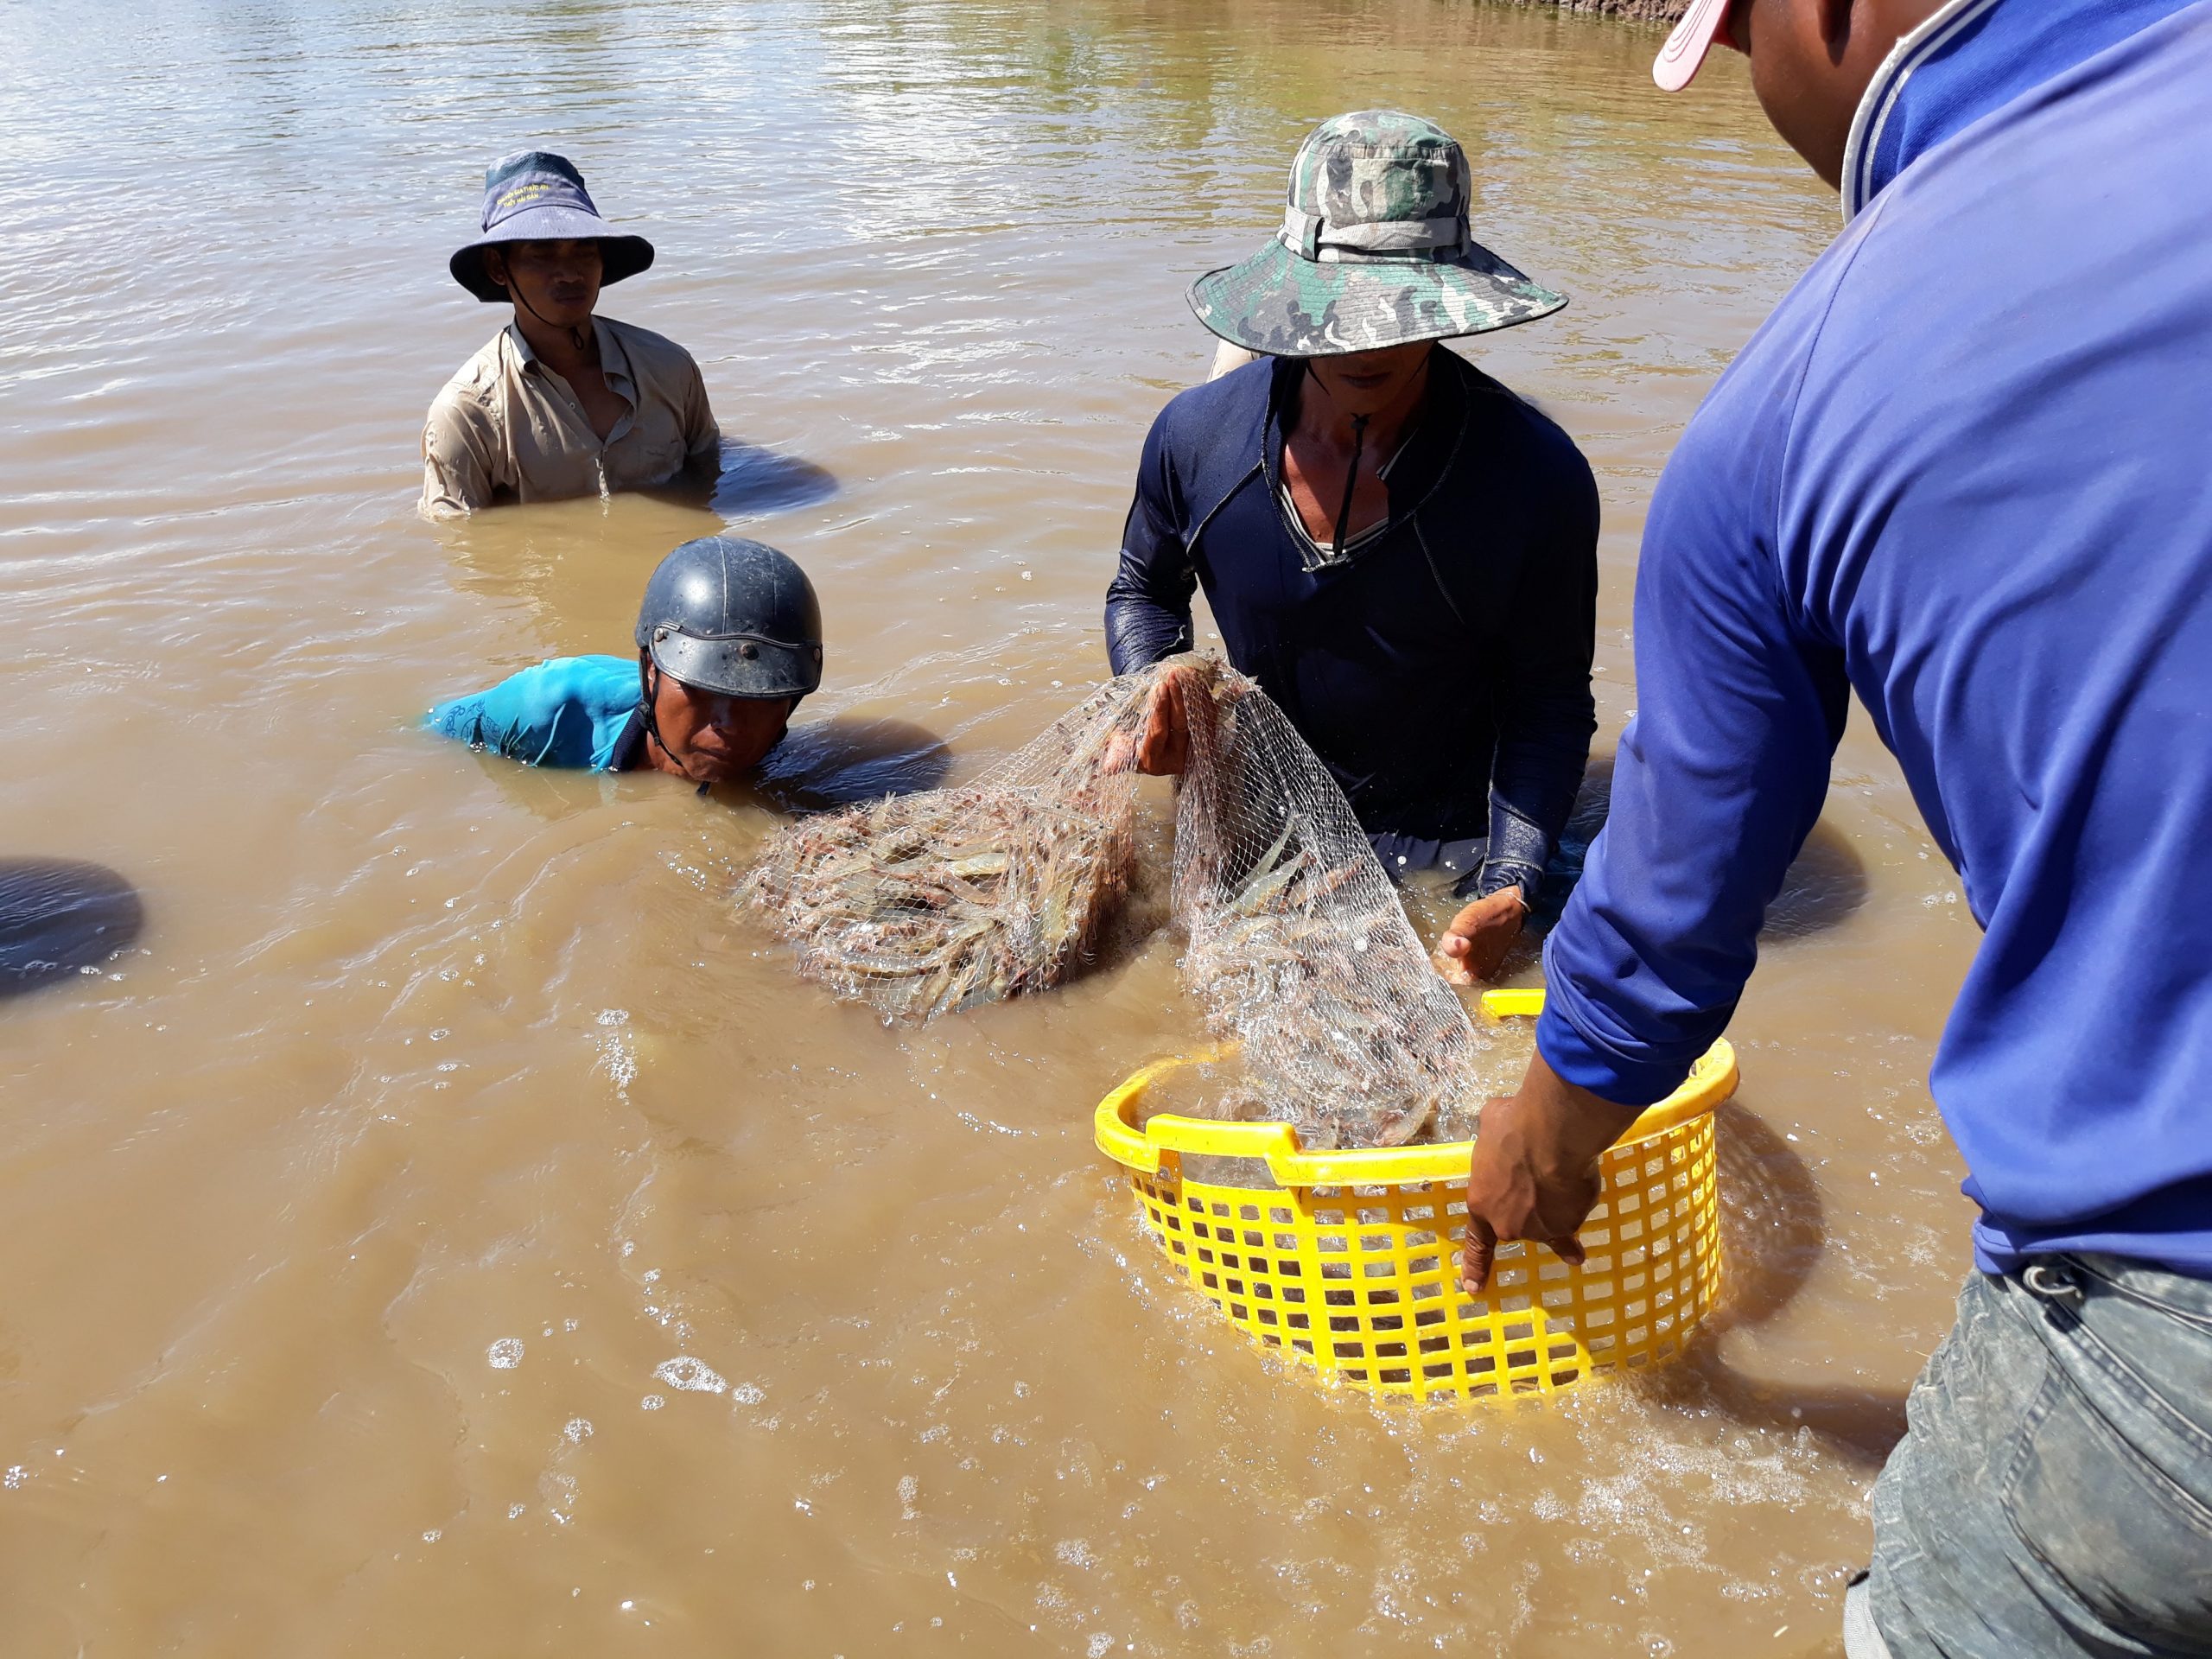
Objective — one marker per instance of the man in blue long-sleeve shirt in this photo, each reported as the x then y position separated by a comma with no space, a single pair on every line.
1402,552
1965,471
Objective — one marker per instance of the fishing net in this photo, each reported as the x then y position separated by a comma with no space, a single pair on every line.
1298,946
927,903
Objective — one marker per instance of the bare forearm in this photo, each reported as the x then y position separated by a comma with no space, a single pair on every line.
1534,1171
1580,1124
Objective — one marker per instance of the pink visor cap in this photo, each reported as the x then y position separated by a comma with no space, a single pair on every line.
1678,61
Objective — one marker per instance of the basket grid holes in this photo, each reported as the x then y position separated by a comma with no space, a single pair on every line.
1257,1256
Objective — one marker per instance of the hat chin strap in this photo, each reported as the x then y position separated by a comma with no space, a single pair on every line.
579,337
1351,477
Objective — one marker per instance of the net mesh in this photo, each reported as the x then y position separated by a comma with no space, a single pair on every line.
1298,946
927,903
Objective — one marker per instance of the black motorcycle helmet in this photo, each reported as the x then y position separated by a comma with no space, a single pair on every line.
734,616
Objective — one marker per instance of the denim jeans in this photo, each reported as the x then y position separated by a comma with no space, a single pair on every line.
2053,1493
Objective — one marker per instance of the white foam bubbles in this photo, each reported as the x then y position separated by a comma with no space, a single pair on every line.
690,1375
505,1354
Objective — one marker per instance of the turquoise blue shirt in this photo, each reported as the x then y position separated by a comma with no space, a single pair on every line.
572,711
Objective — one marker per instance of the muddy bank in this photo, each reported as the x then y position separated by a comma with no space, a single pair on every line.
1645,11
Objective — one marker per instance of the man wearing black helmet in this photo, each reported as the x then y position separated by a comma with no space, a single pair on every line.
729,638
561,402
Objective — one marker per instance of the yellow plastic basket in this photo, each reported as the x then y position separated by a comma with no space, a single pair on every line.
1350,1261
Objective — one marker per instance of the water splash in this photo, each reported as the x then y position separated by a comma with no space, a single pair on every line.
618,1052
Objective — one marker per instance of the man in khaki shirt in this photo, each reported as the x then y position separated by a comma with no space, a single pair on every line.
561,403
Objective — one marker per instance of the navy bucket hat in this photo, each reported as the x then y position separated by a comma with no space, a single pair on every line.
537,196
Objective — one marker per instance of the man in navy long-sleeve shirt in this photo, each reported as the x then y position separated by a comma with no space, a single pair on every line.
1965,471
1401,551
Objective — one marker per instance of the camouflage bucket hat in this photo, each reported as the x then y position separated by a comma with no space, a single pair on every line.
1374,251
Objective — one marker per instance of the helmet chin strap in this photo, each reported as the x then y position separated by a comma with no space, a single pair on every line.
648,701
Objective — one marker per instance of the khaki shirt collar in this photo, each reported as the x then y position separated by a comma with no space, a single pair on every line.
613,368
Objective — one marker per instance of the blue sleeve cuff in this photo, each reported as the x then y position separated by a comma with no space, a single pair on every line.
1608,1075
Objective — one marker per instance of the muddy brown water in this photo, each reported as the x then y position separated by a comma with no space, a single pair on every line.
448,1231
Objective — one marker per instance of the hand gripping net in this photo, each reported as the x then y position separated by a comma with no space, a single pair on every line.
920,904
1299,946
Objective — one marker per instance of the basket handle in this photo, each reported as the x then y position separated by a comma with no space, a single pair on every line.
1711,1081
1274,1143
